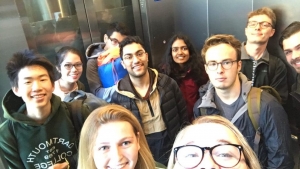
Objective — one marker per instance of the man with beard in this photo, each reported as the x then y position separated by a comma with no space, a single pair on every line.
227,95
290,43
154,98
258,65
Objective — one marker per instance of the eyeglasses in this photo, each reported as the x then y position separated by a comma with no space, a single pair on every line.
182,48
69,66
138,54
224,155
264,24
226,64
114,41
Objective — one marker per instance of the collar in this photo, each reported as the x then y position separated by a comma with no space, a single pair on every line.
244,55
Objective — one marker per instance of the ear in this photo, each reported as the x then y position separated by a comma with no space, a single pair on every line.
272,33
16,91
146,54
239,65
105,38
205,66
122,63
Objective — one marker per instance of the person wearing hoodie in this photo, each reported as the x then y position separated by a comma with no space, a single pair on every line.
39,130
115,33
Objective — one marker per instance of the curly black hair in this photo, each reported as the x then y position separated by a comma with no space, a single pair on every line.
195,63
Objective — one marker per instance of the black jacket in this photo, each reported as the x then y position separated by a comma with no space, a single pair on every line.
275,145
172,106
274,76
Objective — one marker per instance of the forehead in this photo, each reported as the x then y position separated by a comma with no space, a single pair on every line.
209,134
220,52
71,57
260,18
292,41
132,48
178,43
118,36
120,129
32,71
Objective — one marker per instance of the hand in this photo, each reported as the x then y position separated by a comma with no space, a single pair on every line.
64,165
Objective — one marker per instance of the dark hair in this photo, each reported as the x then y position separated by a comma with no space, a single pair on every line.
264,11
222,39
117,27
23,59
129,40
293,28
195,63
61,54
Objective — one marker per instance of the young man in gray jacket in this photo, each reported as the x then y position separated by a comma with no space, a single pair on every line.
227,93
154,98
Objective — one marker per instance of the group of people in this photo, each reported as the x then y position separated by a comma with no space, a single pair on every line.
138,123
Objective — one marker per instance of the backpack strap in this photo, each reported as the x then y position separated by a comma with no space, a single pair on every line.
253,100
272,66
203,111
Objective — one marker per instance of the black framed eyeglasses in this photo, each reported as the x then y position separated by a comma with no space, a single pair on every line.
226,64
224,155
69,66
264,24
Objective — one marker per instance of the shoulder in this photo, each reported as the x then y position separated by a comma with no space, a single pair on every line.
5,131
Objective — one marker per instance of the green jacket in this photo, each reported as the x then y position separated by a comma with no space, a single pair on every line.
27,144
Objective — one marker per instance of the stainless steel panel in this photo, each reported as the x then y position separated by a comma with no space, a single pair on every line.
228,17
12,39
191,19
158,26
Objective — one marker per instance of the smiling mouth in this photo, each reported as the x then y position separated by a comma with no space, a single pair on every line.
119,166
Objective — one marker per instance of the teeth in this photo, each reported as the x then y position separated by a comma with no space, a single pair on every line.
118,167
38,96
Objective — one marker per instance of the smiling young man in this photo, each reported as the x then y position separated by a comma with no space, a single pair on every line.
290,43
258,65
154,98
39,131
227,93
115,33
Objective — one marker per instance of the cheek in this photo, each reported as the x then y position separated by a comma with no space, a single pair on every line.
100,160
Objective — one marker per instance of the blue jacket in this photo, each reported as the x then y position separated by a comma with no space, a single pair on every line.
275,145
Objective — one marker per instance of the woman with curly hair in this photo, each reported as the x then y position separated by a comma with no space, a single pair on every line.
183,64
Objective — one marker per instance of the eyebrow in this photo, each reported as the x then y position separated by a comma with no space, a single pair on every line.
289,49
40,76
121,140
133,53
222,141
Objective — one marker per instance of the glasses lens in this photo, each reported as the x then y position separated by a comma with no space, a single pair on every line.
212,65
189,156
226,155
252,24
78,65
68,66
226,64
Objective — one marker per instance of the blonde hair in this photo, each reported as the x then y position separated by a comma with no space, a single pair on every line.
104,115
264,11
222,39
250,157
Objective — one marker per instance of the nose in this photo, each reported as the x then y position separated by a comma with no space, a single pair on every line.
36,86
220,68
135,59
116,154
208,162
73,68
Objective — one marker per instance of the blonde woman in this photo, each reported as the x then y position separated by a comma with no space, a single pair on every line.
112,137
212,142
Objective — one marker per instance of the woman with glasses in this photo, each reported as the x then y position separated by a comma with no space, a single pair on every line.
69,65
112,137
212,142
181,62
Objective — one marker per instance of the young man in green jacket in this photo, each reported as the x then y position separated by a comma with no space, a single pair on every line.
39,131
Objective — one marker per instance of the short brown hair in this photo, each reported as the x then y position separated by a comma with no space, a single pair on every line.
290,30
222,39
264,11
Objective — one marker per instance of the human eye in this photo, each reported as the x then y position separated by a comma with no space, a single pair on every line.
103,148
252,23
27,82
126,143
212,64
127,57
68,66
191,155
226,62
77,65
265,24
184,48
175,49
139,54
287,52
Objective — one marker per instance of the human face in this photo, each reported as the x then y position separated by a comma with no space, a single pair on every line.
291,47
180,52
118,150
71,68
221,78
217,134
259,35
135,60
114,40
34,86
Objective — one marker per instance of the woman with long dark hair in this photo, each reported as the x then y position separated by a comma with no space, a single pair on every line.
183,64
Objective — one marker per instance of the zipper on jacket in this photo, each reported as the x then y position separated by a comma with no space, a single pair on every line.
150,107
